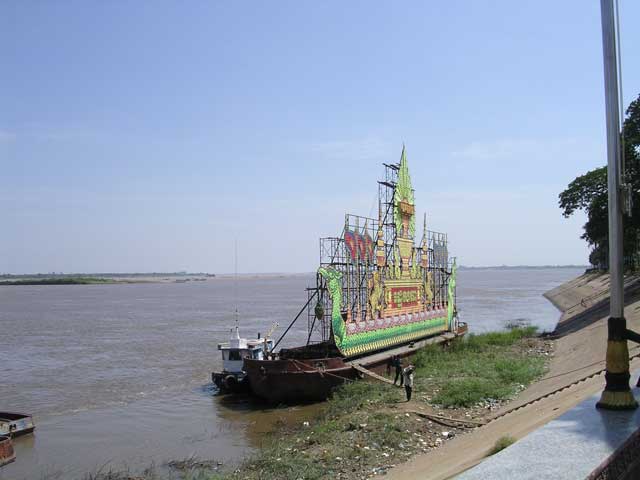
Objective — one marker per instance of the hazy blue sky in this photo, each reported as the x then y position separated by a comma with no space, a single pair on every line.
146,136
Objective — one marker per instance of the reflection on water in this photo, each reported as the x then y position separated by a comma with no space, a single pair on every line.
119,373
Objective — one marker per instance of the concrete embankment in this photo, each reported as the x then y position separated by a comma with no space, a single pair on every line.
572,377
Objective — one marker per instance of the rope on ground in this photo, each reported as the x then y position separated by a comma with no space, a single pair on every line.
441,419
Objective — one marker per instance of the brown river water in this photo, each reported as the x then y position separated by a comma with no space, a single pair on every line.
119,375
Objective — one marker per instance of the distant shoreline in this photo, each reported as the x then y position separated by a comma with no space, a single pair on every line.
100,279
67,281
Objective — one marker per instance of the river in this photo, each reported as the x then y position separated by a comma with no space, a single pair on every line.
117,376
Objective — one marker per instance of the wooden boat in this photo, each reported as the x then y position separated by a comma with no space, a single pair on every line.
7,455
16,424
377,295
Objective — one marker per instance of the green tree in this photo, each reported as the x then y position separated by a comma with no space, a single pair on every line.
588,193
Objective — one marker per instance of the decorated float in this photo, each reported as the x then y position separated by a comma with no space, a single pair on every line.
381,291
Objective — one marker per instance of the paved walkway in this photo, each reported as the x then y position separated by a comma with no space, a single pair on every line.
569,447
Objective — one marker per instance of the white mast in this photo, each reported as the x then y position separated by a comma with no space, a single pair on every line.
235,284
236,341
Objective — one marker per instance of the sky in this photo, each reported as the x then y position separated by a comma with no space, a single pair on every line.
149,136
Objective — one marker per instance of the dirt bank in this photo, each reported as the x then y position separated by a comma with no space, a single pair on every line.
579,352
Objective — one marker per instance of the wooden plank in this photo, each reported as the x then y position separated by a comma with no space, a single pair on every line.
405,349
371,374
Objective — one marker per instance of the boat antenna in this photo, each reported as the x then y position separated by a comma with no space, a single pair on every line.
235,279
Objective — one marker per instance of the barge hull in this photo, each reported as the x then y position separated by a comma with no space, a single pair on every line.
310,380
295,381
7,454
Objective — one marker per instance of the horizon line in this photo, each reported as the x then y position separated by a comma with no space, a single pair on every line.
187,273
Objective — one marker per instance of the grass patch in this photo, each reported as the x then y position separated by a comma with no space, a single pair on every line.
357,395
502,443
507,338
277,462
469,391
479,368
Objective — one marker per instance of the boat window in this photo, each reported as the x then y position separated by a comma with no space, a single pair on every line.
224,355
234,355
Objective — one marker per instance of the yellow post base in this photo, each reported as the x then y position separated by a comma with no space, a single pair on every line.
617,394
617,401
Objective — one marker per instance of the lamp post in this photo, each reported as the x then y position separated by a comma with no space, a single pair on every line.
617,394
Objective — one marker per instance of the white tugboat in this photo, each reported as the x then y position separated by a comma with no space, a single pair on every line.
232,378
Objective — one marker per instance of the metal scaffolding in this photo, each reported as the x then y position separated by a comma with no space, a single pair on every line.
357,273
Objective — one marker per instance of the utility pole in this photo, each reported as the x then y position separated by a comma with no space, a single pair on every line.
617,395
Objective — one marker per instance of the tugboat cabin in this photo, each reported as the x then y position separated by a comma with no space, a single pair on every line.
237,349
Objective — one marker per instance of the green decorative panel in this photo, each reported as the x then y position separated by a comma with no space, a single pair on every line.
376,336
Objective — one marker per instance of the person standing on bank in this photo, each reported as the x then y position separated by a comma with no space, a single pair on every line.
407,373
398,364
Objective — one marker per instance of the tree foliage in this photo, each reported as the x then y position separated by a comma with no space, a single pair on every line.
589,192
